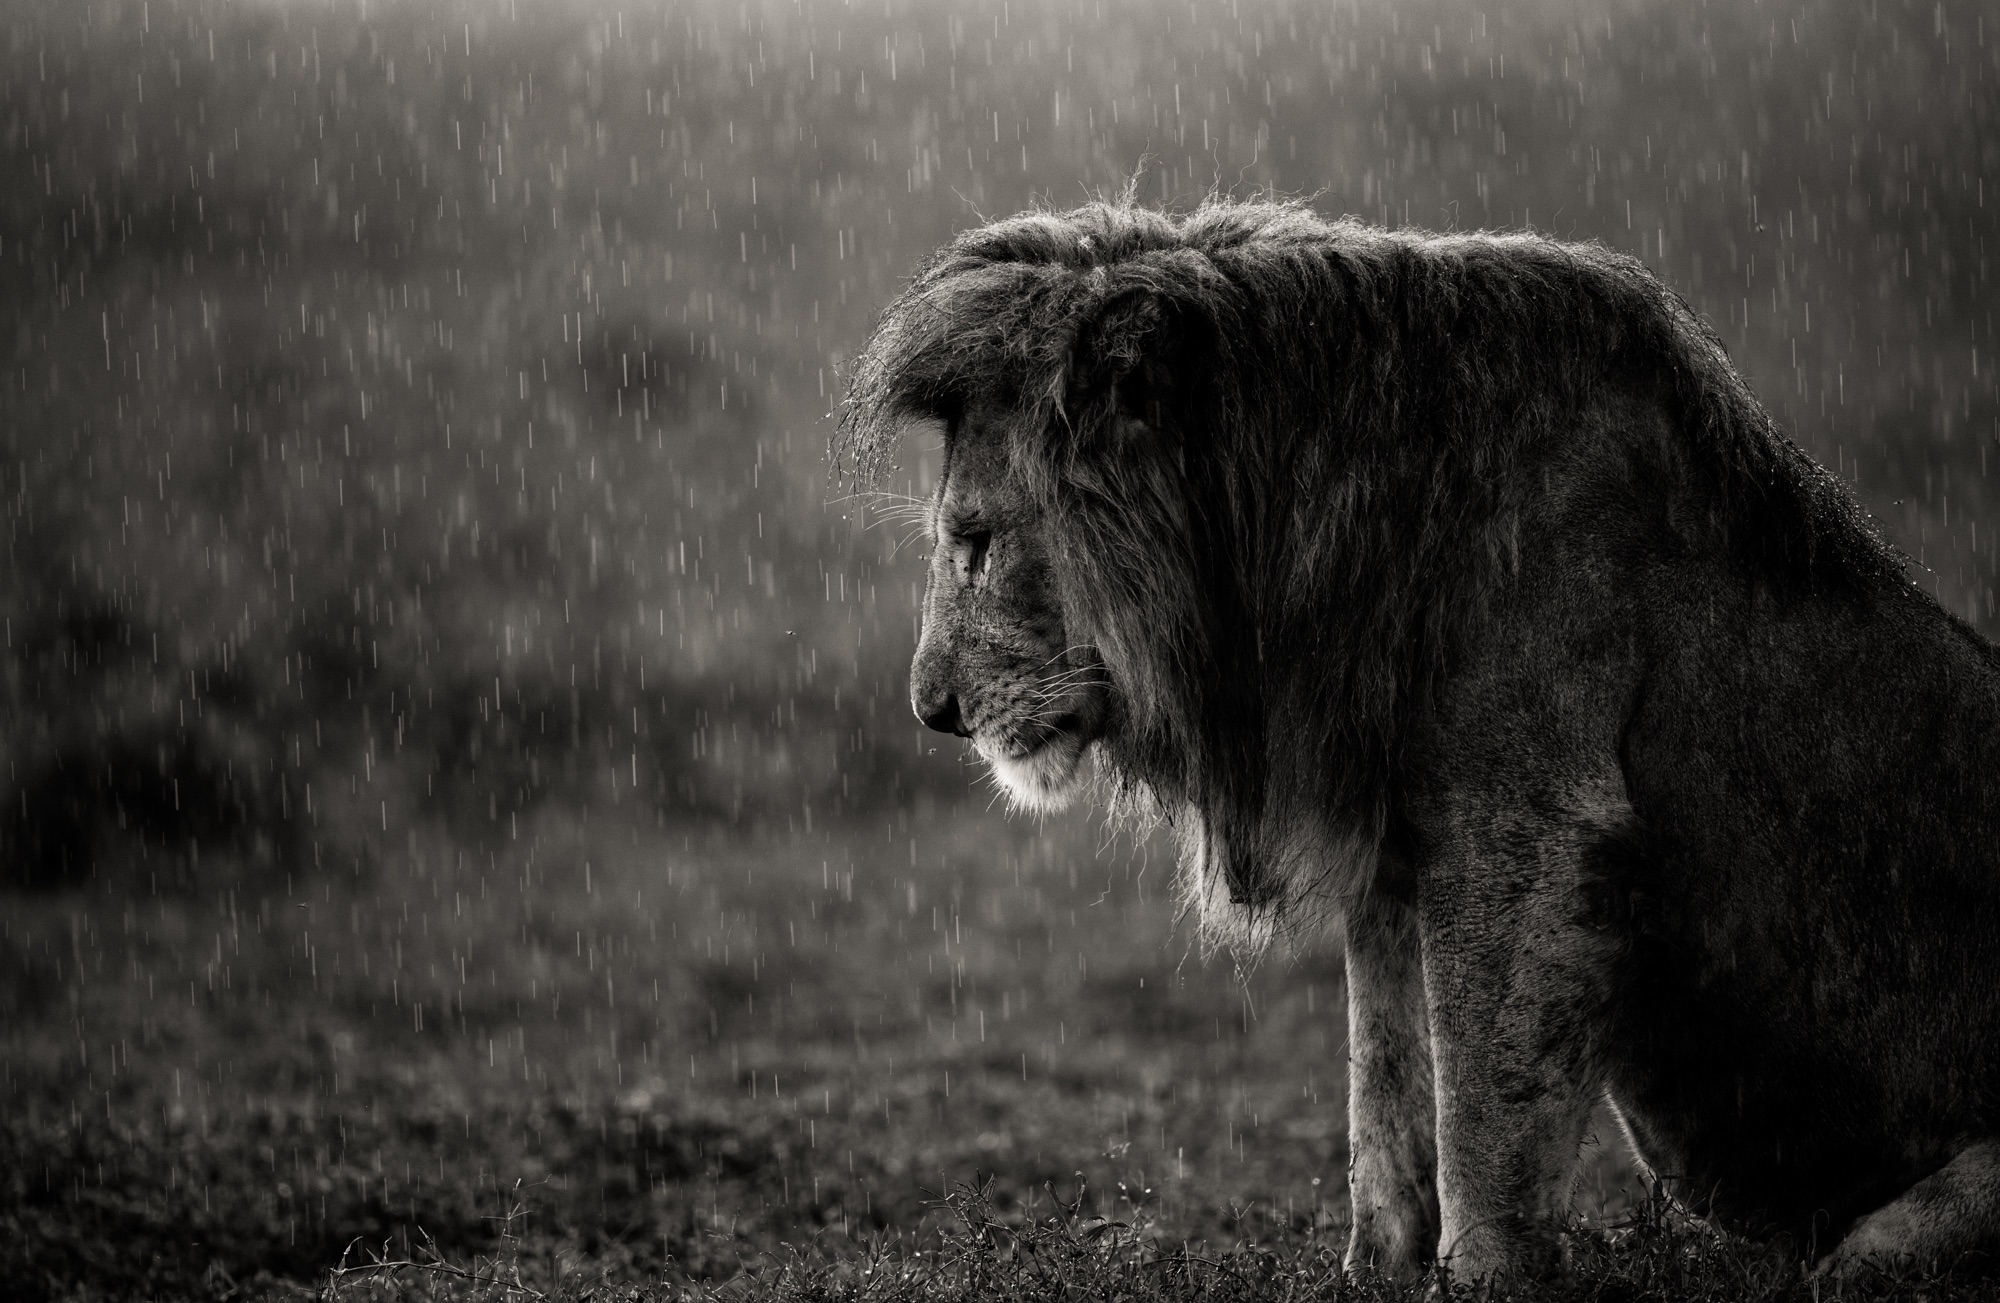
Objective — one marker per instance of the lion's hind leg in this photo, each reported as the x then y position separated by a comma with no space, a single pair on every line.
1949,1221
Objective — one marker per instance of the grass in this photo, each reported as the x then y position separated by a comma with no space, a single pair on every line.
610,1059
647,1054
1067,1255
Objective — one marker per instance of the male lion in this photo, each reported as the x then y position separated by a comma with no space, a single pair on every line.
1455,588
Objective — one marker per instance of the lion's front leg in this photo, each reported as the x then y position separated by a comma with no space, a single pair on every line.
1391,1126
1514,984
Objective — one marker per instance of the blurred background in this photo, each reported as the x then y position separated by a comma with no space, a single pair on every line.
457,763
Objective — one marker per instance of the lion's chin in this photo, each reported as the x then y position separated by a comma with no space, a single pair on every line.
1044,779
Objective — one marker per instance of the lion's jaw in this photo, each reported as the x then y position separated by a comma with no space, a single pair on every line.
1043,777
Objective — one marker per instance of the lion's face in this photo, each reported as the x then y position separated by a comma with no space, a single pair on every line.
995,662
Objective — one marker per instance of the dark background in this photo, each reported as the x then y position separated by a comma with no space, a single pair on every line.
420,542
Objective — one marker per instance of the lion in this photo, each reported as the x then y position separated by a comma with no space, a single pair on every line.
1452,595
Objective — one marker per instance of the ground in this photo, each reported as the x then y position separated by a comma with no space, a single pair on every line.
954,1057
663,1053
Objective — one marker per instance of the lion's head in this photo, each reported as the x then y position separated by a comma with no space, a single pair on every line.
1223,491
995,662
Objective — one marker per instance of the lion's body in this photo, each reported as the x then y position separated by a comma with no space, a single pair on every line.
1782,901
1457,589
1813,981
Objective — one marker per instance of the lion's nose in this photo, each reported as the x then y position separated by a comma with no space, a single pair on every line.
946,719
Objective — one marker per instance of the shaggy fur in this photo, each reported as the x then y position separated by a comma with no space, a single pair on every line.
1456,587
1349,410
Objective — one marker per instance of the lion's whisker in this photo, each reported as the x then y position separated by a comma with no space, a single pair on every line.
903,542
1082,646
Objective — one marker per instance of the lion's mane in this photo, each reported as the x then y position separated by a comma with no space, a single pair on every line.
1277,458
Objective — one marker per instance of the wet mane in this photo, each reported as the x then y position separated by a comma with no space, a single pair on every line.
1278,454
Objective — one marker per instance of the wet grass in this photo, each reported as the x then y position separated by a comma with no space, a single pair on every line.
966,1060
607,1048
